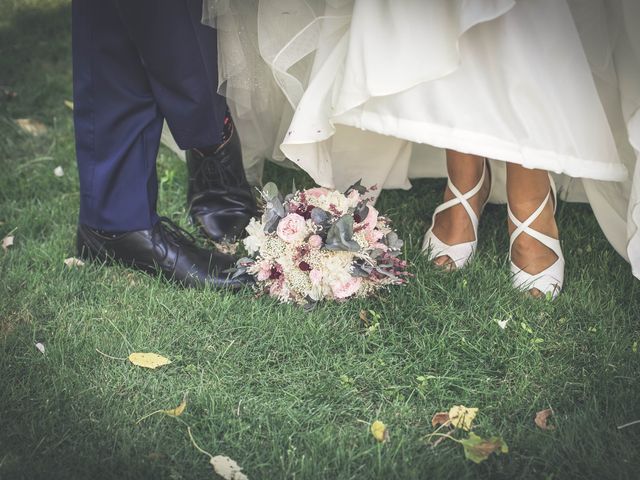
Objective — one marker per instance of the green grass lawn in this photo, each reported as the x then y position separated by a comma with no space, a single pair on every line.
287,394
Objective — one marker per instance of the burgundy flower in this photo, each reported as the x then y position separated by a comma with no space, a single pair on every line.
304,266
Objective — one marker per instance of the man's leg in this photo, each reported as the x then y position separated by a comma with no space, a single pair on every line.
180,57
118,126
117,122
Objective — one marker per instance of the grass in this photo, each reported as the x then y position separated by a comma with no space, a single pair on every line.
287,394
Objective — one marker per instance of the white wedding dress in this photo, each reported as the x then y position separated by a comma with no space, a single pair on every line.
377,89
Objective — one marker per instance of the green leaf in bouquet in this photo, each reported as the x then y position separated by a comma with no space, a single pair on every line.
393,241
340,236
320,217
361,211
357,187
270,191
270,220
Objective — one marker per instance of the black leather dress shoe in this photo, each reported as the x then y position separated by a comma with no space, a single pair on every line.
165,249
220,199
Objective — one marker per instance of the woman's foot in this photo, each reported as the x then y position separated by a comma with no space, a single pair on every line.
453,226
536,257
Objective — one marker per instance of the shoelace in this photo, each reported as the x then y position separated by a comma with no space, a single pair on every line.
169,230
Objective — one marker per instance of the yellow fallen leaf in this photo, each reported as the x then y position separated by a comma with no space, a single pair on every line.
478,449
73,262
227,468
176,412
462,417
69,104
541,419
148,360
7,242
32,127
379,431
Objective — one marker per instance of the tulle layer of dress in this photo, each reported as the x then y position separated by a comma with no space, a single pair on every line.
377,89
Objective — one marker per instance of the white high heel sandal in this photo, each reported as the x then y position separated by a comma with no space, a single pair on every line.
460,253
550,280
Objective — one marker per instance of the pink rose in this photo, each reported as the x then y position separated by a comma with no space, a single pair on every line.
265,272
316,192
315,276
353,195
346,289
292,228
315,241
373,236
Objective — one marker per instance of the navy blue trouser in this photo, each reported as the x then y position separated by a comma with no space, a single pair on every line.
136,63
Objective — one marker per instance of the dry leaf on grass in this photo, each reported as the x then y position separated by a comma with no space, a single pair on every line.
222,465
173,412
73,262
462,417
440,418
478,449
541,419
69,104
58,171
227,468
176,412
148,360
7,242
32,127
379,431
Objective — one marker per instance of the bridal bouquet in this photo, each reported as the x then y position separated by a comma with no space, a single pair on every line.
319,244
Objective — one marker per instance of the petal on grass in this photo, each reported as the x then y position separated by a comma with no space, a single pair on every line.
379,431
73,262
7,242
32,127
227,468
148,360
58,171
541,419
68,104
40,347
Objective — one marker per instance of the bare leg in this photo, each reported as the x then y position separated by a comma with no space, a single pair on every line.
453,225
526,190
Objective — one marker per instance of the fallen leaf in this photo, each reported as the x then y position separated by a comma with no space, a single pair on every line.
379,431
73,262
7,242
32,127
58,171
541,419
634,347
462,417
40,347
478,449
440,418
69,104
176,412
148,360
227,468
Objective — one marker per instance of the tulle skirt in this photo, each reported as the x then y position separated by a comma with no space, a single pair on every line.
377,89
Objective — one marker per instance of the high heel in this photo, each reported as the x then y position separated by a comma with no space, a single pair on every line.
550,280
460,253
